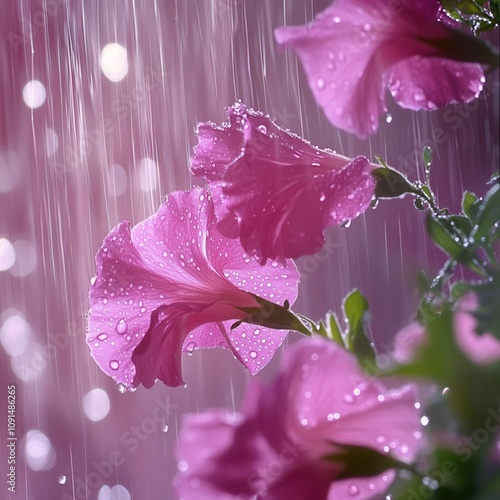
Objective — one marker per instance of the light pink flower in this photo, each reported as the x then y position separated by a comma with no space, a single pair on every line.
173,283
275,448
357,49
274,190
481,349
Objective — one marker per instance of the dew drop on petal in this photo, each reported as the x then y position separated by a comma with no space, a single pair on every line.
253,354
353,490
121,388
102,336
320,84
121,327
114,365
190,348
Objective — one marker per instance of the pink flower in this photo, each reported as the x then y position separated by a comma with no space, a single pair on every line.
481,349
275,448
356,49
273,189
173,283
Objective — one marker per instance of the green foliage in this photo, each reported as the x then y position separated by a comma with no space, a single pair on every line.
479,15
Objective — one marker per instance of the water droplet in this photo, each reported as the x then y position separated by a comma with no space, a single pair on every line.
446,391
320,84
61,479
262,128
353,490
424,421
102,336
93,280
348,398
253,354
367,27
388,118
165,428
190,348
304,421
322,197
182,466
121,327
121,388
256,331
336,19
114,365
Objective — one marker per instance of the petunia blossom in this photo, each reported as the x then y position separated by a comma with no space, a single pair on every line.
357,49
273,189
172,284
276,447
482,349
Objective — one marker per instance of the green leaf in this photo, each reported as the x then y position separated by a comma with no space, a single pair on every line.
335,330
356,312
391,184
359,461
470,205
443,237
423,282
488,214
462,224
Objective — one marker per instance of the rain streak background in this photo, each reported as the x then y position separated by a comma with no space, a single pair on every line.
98,107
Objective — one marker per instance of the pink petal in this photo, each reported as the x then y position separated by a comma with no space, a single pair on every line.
407,341
349,50
457,82
203,437
176,279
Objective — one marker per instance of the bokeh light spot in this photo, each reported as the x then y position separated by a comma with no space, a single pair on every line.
7,254
34,94
96,405
15,333
117,181
114,62
40,454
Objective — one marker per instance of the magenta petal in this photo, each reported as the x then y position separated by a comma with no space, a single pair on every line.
174,283
354,49
413,86
215,149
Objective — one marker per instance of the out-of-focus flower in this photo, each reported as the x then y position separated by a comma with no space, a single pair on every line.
407,341
276,447
481,349
173,283
357,49
274,190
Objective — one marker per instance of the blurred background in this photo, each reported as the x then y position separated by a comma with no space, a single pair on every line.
98,107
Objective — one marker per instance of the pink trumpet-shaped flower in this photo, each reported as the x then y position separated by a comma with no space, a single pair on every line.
273,189
173,283
276,447
357,49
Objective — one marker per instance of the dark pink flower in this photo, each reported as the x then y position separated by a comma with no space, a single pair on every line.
275,448
274,190
173,283
357,49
